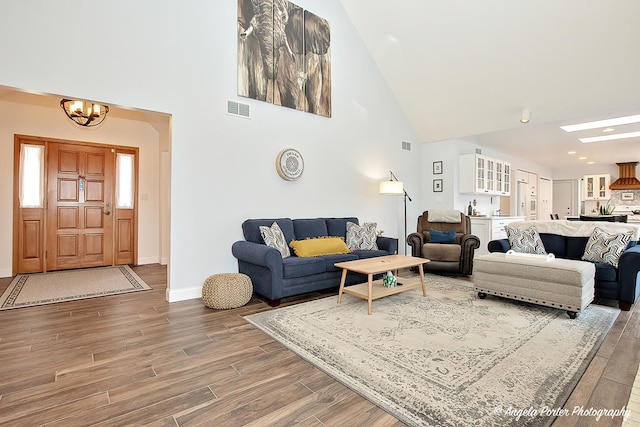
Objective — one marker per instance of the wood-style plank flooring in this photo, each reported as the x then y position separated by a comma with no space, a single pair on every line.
135,359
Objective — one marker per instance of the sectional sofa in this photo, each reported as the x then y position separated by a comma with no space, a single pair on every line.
275,277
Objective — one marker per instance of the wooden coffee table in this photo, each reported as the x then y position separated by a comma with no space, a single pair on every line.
374,289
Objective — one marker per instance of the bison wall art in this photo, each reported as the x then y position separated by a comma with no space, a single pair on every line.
284,55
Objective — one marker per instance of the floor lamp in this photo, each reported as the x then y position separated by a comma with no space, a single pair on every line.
395,187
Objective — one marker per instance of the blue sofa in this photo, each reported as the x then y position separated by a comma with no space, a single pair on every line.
275,278
621,283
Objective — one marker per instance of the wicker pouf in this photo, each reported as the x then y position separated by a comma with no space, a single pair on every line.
227,290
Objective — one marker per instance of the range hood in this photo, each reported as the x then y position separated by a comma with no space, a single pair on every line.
627,180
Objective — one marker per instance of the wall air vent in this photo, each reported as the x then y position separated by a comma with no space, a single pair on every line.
406,145
238,109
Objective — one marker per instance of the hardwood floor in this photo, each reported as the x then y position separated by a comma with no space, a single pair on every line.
134,359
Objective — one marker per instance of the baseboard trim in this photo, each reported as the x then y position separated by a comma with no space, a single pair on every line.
183,294
148,260
6,273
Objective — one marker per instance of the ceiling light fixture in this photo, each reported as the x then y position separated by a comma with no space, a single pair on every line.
602,123
525,116
582,158
571,152
611,137
84,113
607,130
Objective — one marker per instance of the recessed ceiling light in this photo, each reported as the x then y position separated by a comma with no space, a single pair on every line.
581,158
590,163
571,152
607,130
602,123
611,137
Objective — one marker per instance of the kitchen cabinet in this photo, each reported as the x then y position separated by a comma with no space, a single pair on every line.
473,174
527,194
596,187
522,176
503,178
481,227
545,194
489,228
484,175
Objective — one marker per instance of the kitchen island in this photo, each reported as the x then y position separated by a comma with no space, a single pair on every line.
631,211
607,218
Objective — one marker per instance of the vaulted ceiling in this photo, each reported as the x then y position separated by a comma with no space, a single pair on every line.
464,68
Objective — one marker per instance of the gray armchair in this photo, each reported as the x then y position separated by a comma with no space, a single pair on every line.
453,257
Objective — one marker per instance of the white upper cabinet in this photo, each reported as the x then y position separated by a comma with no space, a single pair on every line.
503,178
596,187
484,175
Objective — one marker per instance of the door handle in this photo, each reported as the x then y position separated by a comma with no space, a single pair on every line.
107,212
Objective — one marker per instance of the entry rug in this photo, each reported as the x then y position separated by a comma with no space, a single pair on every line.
448,359
46,288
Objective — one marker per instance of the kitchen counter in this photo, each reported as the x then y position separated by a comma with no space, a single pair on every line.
489,228
632,219
631,211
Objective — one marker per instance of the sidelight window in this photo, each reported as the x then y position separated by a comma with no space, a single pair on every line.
125,178
31,176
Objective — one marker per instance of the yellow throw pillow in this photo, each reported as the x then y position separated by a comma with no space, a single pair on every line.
319,246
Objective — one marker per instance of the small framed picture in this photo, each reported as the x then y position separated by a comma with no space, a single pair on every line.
437,186
437,167
627,196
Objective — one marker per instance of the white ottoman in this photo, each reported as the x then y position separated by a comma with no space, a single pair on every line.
560,283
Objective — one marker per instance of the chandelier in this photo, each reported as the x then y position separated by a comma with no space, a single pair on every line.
84,113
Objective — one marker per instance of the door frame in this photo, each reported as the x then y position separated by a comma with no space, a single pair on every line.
130,217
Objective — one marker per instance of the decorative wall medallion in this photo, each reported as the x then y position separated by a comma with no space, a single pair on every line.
289,164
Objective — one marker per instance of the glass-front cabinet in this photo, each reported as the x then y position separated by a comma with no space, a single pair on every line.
596,187
491,175
503,178
481,174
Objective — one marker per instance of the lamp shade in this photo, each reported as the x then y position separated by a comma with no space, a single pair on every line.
391,187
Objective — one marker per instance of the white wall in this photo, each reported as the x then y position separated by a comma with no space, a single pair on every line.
180,58
578,172
37,120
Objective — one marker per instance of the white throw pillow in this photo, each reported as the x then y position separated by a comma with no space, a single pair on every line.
526,241
450,216
606,248
361,237
274,237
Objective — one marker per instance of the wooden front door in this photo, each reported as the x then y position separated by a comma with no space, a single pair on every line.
80,180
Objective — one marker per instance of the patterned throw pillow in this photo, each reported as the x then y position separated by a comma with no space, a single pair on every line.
606,248
274,238
526,241
361,237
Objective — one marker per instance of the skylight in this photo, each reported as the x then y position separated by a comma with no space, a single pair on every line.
611,137
601,124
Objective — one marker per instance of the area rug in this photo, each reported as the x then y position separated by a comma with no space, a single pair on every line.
27,290
448,359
